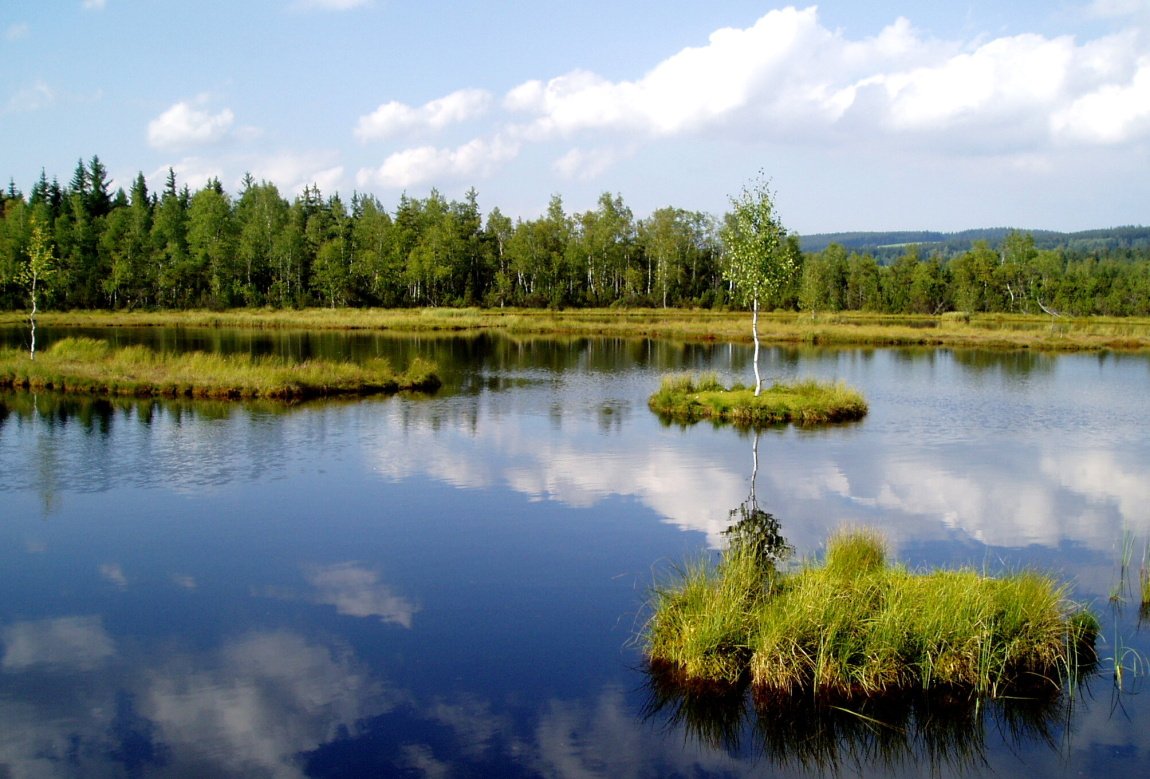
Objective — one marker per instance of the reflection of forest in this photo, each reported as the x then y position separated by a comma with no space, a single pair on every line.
936,732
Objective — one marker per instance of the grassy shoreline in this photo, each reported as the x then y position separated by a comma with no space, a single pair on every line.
92,367
856,627
687,398
988,331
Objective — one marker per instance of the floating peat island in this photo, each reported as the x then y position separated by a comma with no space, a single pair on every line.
90,366
688,398
856,627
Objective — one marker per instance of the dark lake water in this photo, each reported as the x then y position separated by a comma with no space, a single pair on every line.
453,586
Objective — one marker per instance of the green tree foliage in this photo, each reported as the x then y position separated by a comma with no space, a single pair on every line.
179,249
825,277
37,273
759,261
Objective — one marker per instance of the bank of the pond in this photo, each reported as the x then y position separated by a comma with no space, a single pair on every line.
975,331
856,627
687,398
90,366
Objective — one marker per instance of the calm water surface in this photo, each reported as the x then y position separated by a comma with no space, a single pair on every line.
452,586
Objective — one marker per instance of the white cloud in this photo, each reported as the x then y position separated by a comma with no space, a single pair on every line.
1005,76
15,32
294,171
95,5
71,643
32,98
332,5
393,118
186,125
787,77
419,165
193,171
1113,113
1107,9
587,164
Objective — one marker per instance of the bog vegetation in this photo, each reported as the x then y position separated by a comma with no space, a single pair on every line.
688,398
858,627
90,366
178,249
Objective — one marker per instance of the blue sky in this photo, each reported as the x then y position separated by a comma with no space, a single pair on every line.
864,115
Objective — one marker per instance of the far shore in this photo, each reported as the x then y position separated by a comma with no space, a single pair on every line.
960,331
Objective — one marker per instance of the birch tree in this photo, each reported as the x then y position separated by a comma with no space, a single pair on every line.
33,276
758,260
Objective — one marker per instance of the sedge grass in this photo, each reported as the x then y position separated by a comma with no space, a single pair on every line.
975,331
1144,580
856,627
687,398
90,366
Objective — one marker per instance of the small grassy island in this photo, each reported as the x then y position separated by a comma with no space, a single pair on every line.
90,366
689,398
856,627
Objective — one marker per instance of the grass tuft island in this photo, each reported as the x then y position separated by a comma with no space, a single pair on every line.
856,627
689,398
91,366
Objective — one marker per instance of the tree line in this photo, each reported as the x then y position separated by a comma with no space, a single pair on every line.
178,249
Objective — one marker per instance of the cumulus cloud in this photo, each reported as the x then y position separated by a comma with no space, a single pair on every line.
787,76
186,125
394,118
292,171
422,164
1113,113
586,164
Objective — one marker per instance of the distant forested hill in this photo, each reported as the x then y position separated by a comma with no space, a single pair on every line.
889,245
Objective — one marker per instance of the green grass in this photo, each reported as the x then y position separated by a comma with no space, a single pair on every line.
689,398
857,627
90,366
976,331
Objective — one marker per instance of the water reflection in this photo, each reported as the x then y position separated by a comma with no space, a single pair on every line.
916,734
450,585
755,530
245,708
354,590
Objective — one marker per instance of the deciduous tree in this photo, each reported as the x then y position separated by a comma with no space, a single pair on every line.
759,261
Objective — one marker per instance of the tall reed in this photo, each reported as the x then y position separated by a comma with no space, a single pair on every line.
859,627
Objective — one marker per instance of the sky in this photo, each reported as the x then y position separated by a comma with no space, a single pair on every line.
878,115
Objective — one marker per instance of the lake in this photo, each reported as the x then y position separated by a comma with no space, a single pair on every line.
454,585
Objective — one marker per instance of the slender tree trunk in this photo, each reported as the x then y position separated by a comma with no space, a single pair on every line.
755,334
754,469
32,322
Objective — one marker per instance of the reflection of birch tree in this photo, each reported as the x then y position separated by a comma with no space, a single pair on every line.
754,529
47,458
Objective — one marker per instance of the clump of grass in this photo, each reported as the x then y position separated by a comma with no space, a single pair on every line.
688,398
702,621
858,627
90,366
